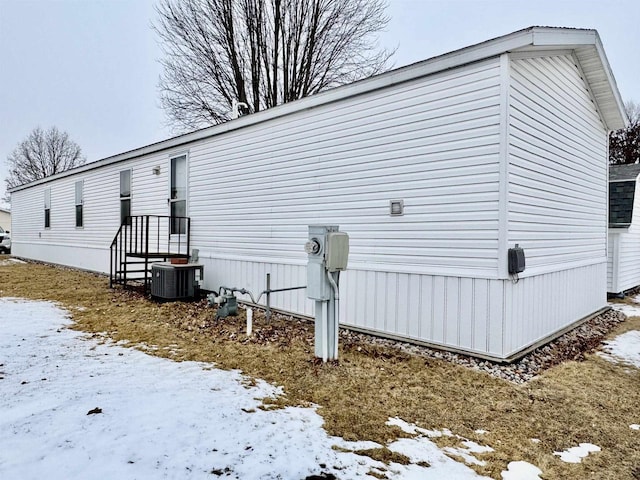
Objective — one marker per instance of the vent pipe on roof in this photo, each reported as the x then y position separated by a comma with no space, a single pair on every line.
235,108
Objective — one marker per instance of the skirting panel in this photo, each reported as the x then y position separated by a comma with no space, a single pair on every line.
494,318
78,256
490,318
538,307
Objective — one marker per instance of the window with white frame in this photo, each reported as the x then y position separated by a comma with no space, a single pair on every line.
79,203
47,208
125,197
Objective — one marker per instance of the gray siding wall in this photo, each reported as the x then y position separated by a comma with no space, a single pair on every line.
557,166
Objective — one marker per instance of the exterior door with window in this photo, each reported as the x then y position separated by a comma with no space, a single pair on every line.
178,194
125,197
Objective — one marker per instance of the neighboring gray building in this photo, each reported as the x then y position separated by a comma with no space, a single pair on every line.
497,144
623,255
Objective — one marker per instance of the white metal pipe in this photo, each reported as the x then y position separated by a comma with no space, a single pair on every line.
325,331
249,321
336,314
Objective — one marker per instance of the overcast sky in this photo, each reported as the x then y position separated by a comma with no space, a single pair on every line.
90,66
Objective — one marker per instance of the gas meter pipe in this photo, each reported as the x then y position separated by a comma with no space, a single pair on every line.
268,291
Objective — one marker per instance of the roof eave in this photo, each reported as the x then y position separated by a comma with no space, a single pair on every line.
529,37
470,54
598,76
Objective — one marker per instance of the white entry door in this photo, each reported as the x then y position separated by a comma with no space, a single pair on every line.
178,194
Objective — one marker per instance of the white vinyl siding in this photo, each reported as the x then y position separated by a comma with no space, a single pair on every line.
101,211
432,143
612,254
557,166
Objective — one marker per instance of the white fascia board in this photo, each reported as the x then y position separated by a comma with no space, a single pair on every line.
573,39
567,37
614,86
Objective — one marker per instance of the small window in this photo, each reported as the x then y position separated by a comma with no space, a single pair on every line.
47,208
79,203
125,197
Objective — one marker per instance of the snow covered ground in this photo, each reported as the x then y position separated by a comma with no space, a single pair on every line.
629,309
75,408
625,348
158,418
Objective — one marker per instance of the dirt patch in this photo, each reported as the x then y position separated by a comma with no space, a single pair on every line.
590,400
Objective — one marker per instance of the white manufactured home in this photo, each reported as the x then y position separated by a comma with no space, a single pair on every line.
435,170
623,264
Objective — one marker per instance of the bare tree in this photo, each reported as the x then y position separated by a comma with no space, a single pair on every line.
262,52
624,144
42,154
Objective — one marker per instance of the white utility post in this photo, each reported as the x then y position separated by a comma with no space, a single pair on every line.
328,253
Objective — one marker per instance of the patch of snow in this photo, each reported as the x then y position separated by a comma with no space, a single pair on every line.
422,449
406,427
634,426
465,453
157,418
358,445
412,429
624,348
480,431
629,310
535,440
576,454
474,447
521,471
9,261
466,456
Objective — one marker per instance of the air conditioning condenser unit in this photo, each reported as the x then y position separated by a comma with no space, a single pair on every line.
174,281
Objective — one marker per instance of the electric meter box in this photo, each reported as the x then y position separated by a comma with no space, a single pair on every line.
337,251
318,251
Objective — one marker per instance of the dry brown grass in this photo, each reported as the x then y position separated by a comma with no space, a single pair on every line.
591,401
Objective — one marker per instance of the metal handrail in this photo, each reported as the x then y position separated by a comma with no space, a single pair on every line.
135,237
